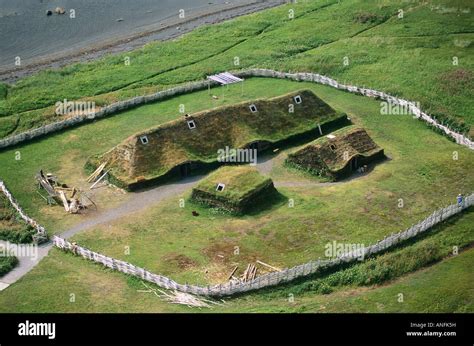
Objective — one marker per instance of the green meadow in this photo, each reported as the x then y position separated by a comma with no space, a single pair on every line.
444,285
167,239
425,178
419,50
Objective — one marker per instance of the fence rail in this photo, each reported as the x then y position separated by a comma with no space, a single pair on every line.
274,278
200,85
320,79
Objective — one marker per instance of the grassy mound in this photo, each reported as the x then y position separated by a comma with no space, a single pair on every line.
244,189
12,228
171,145
338,154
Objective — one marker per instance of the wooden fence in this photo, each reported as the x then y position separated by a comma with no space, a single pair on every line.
409,105
109,110
200,85
274,278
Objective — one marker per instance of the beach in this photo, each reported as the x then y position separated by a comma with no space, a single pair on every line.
129,27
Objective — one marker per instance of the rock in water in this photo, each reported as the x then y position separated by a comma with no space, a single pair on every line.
59,10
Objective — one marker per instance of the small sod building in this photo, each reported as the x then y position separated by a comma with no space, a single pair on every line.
236,189
338,154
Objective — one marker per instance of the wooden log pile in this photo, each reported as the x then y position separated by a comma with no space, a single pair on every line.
71,198
181,298
250,272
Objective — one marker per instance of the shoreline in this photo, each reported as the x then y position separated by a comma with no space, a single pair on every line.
162,31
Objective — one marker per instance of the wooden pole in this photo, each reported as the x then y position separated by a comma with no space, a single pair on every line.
100,179
269,266
233,272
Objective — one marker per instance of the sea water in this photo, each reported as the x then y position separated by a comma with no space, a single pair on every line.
27,33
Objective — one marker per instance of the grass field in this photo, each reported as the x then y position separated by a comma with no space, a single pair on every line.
423,177
423,56
442,287
357,211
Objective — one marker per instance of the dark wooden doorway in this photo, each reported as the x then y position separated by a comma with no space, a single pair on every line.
185,170
354,164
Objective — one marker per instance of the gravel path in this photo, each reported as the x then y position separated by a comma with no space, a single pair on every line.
28,256
138,201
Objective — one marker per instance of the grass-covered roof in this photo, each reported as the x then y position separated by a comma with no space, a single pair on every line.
333,153
237,126
239,181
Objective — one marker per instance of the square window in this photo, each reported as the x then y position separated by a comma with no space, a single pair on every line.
253,108
144,139
220,187
191,124
298,99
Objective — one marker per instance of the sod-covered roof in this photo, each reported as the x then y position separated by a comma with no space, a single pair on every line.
239,181
153,153
335,151
234,188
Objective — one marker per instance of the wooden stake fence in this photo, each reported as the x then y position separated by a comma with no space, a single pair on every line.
274,278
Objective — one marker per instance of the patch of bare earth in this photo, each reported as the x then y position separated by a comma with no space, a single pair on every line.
457,81
180,261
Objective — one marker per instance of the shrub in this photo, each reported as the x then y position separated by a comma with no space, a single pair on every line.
18,236
367,17
7,263
3,91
